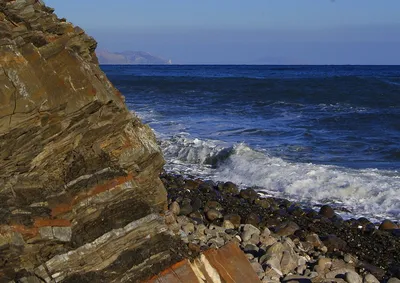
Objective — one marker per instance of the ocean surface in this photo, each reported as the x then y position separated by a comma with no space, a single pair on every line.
314,134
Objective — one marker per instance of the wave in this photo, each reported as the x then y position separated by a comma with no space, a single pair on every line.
368,192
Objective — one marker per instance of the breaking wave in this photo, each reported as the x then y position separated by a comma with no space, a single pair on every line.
371,193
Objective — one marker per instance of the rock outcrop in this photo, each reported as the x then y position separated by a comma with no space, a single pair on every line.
227,264
80,195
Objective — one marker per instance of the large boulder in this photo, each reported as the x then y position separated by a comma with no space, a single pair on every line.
79,185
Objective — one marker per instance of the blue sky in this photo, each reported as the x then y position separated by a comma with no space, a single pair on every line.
244,32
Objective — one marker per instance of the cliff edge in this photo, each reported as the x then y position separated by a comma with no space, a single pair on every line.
80,194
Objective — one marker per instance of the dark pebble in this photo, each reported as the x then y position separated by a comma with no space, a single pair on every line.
196,203
186,209
249,194
207,187
211,204
213,214
396,232
229,188
296,211
387,225
327,211
287,228
264,203
235,219
333,243
191,184
311,213
197,217
253,219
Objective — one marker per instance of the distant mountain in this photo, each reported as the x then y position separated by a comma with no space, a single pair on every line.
129,58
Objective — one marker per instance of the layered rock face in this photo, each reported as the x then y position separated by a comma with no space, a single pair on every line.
80,195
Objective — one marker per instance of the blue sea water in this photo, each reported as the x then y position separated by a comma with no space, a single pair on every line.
315,134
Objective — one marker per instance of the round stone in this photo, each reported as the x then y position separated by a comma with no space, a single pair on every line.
211,204
253,219
287,228
369,278
352,277
185,209
230,188
213,214
234,219
327,211
387,225
394,280
249,194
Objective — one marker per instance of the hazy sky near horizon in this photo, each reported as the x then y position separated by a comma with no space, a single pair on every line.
244,32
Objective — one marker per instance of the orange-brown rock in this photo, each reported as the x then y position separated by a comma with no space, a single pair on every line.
227,264
79,185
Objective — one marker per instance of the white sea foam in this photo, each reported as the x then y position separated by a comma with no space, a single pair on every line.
368,192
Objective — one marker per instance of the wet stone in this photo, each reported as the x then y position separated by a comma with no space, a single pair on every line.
327,211
229,187
213,214
249,194
207,187
387,225
264,203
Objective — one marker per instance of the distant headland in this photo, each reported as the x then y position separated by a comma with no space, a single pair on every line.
129,58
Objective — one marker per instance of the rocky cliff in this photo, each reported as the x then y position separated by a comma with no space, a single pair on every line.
80,195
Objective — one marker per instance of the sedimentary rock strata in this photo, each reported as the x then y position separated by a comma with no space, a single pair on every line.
79,185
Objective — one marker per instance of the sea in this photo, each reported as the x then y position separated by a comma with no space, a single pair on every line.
312,134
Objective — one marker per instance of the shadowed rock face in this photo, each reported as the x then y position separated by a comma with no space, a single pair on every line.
78,171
